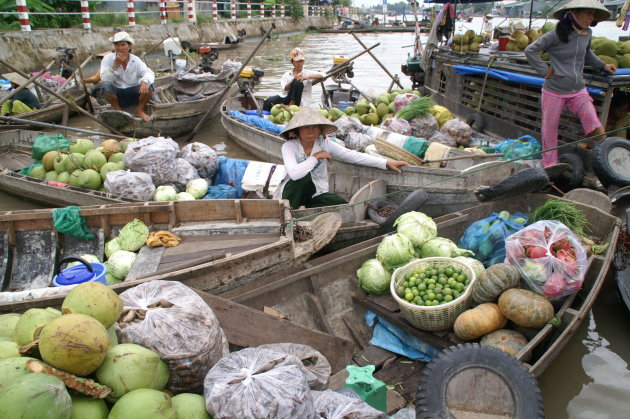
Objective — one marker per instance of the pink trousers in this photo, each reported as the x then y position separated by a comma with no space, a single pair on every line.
580,104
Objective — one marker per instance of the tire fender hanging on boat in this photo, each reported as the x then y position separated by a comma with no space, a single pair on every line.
413,202
610,161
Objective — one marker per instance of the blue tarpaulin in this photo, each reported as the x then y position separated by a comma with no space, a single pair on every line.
258,121
512,77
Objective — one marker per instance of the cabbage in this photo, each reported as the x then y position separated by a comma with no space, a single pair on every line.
198,188
473,264
165,193
133,235
87,257
373,277
417,227
184,196
394,251
112,246
442,247
120,262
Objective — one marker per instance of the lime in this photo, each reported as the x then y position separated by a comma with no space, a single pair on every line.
435,303
431,281
449,271
447,291
431,295
448,298
409,296
422,286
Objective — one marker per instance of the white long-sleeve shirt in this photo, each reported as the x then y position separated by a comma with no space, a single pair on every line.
298,164
135,73
308,85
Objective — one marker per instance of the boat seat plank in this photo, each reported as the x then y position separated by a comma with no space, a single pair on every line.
72,246
34,258
207,243
5,261
385,301
405,375
373,355
146,262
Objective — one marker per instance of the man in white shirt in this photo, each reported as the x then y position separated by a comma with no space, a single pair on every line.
296,84
487,27
127,81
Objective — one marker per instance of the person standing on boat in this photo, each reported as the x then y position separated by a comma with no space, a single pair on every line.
487,28
306,155
23,101
296,84
569,48
127,81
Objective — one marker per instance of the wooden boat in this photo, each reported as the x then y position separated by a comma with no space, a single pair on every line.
56,111
323,294
15,154
169,117
224,243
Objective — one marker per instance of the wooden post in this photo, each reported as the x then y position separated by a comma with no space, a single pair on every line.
163,12
192,13
25,23
131,13
85,14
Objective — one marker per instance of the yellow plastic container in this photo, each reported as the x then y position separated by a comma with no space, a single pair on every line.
339,59
247,72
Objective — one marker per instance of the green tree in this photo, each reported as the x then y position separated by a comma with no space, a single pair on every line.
294,8
12,21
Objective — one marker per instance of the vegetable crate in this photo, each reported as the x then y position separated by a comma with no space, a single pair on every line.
433,318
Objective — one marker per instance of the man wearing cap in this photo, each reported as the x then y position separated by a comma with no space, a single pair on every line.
296,84
23,101
127,81
487,27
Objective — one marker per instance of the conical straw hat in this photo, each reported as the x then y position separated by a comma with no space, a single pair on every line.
306,117
601,13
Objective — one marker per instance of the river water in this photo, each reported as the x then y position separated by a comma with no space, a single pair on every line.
590,378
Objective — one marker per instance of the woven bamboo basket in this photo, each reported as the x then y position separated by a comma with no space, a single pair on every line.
397,153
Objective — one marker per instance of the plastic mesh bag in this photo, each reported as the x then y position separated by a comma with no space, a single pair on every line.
316,365
345,125
68,221
487,237
179,326
202,157
403,100
150,151
550,258
458,130
28,169
181,173
523,146
132,185
441,114
424,126
441,138
397,125
332,405
44,143
358,141
258,383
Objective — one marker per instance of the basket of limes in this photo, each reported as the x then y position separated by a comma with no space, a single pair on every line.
432,292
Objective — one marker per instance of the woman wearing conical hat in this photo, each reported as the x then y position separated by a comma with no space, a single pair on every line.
306,155
569,48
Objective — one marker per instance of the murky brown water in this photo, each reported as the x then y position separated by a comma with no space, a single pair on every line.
590,378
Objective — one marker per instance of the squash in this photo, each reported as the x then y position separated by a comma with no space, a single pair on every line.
525,308
493,281
509,341
479,321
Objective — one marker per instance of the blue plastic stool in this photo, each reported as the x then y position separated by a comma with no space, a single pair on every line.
371,390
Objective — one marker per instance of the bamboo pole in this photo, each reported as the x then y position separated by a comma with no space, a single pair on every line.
394,78
29,81
74,73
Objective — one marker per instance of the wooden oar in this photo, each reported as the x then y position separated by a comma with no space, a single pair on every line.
29,81
85,90
229,84
74,73
62,127
342,67
472,156
63,99
394,78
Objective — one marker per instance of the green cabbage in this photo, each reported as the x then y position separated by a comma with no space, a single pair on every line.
87,257
112,246
373,277
442,247
198,188
184,196
165,193
418,227
120,263
473,264
133,235
394,251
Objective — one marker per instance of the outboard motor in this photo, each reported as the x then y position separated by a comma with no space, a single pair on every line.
65,56
209,55
415,72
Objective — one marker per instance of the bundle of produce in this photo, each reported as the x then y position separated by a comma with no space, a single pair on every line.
345,125
441,138
358,141
549,257
315,364
524,147
172,320
424,126
331,404
441,114
417,108
133,185
397,125
281,114
258,383
521,39
403,100
121,250
469,41
459,130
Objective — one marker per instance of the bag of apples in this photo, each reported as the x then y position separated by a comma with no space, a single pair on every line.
550,258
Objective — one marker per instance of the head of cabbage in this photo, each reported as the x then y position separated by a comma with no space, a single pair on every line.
165,193
120,262
394,251
417,227
198,188
133,235
112,246
185,196
373,277
443,247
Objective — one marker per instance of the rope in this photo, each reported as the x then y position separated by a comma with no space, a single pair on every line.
485,81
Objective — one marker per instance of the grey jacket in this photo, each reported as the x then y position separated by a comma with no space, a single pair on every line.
567,60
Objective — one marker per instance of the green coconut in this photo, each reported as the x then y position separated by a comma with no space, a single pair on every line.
381,110
84,407
624,62
35,396
294,108
144,404
63,177
371,118
108,167
73,162
532,34
349,110
49,160
324,112
474,47
53,311
9,349
38,172
90,179
362,108
521,40
7,324
82,146
606,47
94,159
12,368
469,35
548,26
95,300
190,406
112,336
608,60
129,367
75,343
458,39
60,163
52,176
116,158
30,323
383,98
75,178
478,39
125,143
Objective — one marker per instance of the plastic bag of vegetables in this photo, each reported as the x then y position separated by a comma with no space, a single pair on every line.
550,258
487,237
404,100
459,130
523,146
397,125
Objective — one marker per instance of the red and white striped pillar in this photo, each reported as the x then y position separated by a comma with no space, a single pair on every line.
215,13
233,9
163,12
192,13
25,23
249,10
282,10
85,14
131,13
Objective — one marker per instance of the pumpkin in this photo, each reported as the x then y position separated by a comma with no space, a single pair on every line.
479,321
525,308
509,341
493,281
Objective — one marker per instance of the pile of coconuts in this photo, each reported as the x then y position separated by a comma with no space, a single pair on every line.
68,364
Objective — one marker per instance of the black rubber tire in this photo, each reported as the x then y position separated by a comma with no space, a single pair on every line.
526,180
431,396
380,203
572,178
476,122
601,164
413,202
